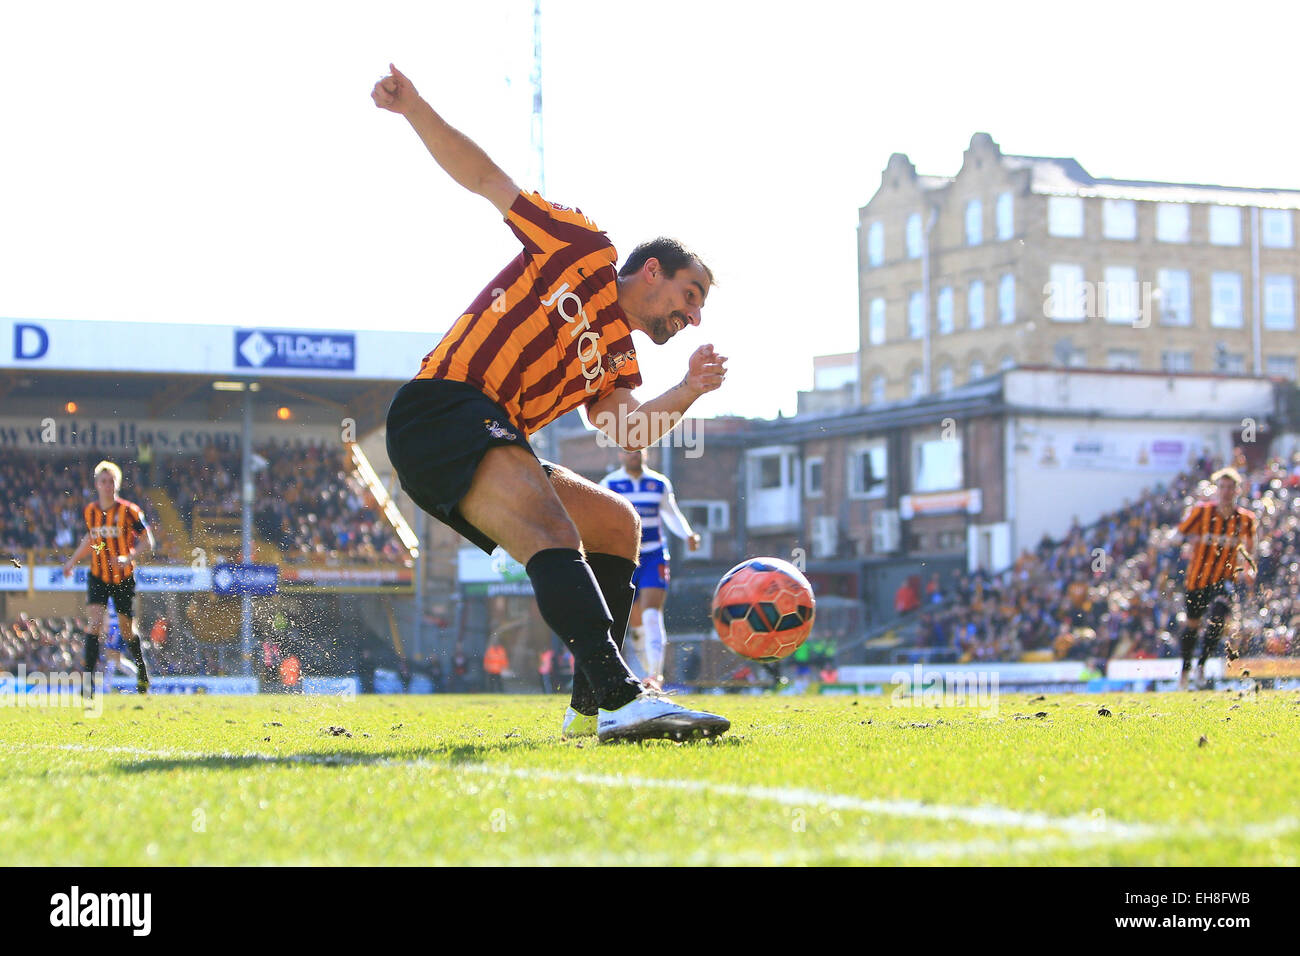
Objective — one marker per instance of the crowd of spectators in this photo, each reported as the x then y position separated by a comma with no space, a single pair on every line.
1114,589
312,506
57,645
43,497
308,502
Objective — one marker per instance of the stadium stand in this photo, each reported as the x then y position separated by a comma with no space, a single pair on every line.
311,507
1111,590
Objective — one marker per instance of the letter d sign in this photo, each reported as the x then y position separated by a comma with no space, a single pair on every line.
30,342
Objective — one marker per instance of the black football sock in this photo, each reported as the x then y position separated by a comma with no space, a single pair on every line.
92,652
614,577
137,655
1213,628
570,602
1188,642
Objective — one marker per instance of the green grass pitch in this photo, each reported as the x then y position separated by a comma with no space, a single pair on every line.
798,780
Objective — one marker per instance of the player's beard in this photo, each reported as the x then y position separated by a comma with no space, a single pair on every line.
661,328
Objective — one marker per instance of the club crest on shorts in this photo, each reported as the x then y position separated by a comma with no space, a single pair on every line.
497,430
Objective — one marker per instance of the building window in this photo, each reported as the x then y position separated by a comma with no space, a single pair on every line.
915,316
1279,303
1119,219
1007,299
1225,300
916,384
1275,228
1003,212
936,465
914,236
876,323
1122,306
1280,366
945,378
974,222
1124,359
1171,221
868,473
1176,361
1065,293
1064,216
1225,225
876,244
943,310
1229,363
975,305
878,390
1175,291
707,516
812,476
976,370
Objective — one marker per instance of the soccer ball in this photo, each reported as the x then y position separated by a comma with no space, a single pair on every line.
763,609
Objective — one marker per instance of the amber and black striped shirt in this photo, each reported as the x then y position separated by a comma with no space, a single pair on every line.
113,533
1215,557
548,334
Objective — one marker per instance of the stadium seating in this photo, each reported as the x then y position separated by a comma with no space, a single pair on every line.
310,507
1112,589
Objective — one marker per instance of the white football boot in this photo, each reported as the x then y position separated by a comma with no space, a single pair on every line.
577,725
652,715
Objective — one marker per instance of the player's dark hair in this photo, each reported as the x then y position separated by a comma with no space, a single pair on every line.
672,255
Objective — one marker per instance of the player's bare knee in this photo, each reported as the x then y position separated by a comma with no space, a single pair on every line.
624,527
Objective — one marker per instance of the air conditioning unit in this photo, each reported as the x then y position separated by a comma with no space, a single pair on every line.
825,536
885,531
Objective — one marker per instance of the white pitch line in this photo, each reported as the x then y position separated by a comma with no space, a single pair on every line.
983,816
1082,832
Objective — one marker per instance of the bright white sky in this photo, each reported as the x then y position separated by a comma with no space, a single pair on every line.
185,162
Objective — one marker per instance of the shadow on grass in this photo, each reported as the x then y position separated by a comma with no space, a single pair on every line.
447,755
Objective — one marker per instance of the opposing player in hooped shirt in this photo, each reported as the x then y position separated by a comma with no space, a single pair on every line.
551,333
116,534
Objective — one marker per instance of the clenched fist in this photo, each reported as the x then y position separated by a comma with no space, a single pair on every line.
394,92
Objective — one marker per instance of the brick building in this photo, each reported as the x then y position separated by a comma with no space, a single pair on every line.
1025,260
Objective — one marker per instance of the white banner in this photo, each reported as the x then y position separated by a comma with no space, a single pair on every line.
225,350
49,577
1105,451
1051,672
1159,668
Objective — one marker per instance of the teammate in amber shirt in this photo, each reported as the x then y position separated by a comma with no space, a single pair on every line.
1222,538
115,532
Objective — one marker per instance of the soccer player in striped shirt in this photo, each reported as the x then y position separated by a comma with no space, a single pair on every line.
1219,534
551,333
115,528
652,495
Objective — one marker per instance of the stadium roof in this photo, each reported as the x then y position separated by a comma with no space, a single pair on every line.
161,367
227,350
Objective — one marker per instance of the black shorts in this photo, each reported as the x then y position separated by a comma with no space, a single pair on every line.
123,594
1199,601
438,432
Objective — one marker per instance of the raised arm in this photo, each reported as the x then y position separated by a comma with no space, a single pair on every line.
635,425
676,522
455,152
